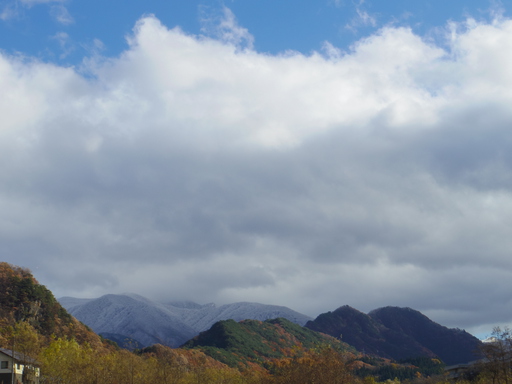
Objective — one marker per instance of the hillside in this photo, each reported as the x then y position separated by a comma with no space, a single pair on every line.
24,301
451,345
252,342
133,317
147,322
397,333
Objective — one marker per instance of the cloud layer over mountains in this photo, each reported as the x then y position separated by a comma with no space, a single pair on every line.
197,168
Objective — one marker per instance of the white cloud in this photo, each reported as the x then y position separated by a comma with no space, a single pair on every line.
8,12
57,10
365,18
225,27
331,51
64,42
362,19
496,11
191,166
61,14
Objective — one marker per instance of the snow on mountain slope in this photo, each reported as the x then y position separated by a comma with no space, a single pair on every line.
70,302
134,316
170,324
203,318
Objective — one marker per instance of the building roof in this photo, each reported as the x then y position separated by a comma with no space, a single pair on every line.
19,357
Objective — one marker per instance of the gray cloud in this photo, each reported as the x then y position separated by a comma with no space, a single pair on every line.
188,168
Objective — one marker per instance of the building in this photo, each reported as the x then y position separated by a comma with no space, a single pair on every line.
24,369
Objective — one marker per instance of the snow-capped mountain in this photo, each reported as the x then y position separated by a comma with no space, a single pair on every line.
149,322
132,316
203,317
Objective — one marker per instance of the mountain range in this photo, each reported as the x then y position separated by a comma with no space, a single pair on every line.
389,332
143,322
397,333
278,349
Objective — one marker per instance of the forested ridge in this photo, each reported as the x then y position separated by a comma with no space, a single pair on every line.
27,304
255,343
397,333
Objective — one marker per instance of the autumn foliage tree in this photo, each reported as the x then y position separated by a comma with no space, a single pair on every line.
23,338
66,361
325,365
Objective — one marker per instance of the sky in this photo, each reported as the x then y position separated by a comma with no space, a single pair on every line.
309,154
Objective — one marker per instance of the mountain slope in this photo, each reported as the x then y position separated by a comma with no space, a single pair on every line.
203,317
238,344
452,345
134,317
148,322
397,333
24,301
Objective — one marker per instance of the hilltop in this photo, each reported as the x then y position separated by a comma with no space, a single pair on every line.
249,342
397,333
24,301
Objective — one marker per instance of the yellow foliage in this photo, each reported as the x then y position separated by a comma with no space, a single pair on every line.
326,366
66,361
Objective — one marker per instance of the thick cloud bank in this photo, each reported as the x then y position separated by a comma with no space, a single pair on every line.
196,168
